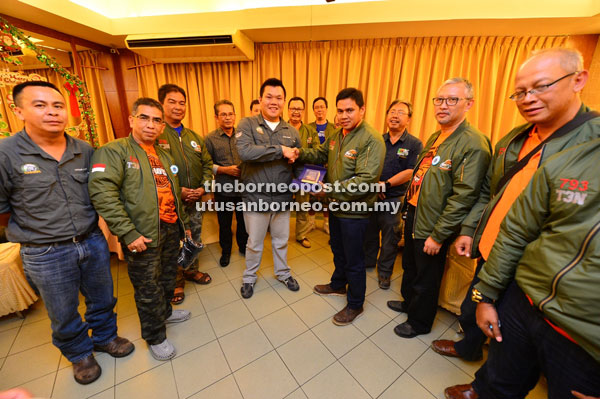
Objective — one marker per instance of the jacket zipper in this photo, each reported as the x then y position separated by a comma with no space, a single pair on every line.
155,194
578,257
187,169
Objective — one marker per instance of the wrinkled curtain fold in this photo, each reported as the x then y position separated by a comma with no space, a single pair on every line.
384,69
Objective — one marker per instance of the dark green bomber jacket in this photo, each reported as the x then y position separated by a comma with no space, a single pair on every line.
329,130
356,158
549,244
505,156
451,185
190,154
123,191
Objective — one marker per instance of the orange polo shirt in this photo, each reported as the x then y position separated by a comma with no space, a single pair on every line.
513,188
166,200
415,187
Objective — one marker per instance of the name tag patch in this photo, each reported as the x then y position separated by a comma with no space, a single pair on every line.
30,168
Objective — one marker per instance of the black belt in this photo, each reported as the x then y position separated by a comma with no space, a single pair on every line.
74,239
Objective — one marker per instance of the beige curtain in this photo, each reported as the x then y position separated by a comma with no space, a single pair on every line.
205,84
93,81
384,69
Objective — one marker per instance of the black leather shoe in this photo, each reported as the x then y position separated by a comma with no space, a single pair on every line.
224,261
405,330
87,370
247,290
397,306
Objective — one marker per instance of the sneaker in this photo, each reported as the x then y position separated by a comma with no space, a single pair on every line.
163,351
247,290
325,289
178,316
305,242
291,283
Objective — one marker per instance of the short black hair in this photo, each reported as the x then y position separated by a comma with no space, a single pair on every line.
18,89
272,82
146,101
169,88
408,105
222,102
297,99
320,98
252,104
351,92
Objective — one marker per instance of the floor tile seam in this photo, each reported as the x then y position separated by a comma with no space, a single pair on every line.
442,333
380,309
180,354
346,352
394,360
290,371
419,382
98,393
218,307
358,382
234,330
386,354
12,343
174,378
25,350
393,382
218,339
214,383
36,378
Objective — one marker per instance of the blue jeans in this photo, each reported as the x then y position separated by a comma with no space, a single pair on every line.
530,346
58,272
347,239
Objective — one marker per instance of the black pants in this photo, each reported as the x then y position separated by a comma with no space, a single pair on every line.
530,346
422,277
471,346
152,273
347,239
225,218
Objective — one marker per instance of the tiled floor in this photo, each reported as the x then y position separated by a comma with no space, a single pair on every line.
278,344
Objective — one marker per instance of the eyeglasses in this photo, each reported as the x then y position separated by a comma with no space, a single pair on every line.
224,115
521,94
296,109
397,113
450,101
145,119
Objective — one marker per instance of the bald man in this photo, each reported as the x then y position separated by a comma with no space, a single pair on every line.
547,94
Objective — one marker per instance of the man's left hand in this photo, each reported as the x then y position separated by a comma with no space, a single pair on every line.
431,247
582,396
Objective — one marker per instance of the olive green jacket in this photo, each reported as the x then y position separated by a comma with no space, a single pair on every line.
123,191
549,244
505,156
451,186
351,160
190,154
329,130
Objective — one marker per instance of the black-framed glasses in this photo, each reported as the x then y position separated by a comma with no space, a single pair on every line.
521,94
145,119
450,101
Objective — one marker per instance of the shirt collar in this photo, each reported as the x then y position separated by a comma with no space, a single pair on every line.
27,146
386,137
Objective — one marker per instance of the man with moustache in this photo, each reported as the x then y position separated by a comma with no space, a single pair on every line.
194,170
308,139
134,187
402,150
265,142
221,145
354,156
43,185
547,87
444,187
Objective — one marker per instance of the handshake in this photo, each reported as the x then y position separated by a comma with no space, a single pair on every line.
290,153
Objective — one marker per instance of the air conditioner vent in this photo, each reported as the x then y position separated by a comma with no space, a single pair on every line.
180,41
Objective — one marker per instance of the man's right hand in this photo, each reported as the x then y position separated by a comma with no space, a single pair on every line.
290,153
139,244
185,193
487,320
464,245
232,170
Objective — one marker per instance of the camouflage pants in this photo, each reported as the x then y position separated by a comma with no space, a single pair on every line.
152,274
196,227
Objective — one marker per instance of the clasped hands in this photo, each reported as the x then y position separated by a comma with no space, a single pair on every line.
290,153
